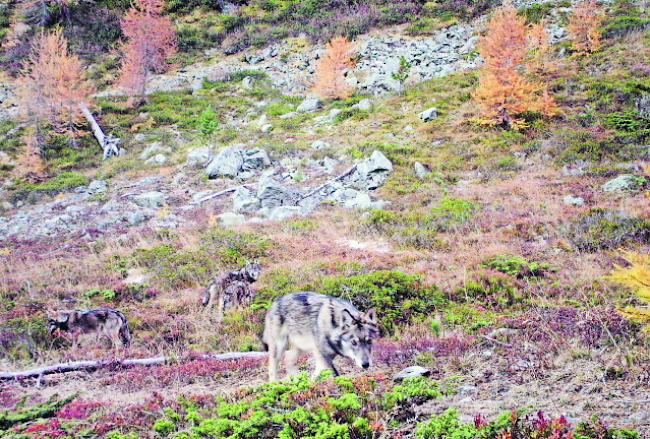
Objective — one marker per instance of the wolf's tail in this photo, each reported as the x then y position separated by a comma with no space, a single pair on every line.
125,331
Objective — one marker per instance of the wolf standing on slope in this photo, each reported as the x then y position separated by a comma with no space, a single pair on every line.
102,322
231,289
322,325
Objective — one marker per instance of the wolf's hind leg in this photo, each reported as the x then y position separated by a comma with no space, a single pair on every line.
290,359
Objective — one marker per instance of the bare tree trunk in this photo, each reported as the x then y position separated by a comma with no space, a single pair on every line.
89,365
109,144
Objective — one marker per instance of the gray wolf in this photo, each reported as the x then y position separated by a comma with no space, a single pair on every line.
101,322
231,289
324,326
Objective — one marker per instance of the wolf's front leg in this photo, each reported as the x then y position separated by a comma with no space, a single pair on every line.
290,359
323,362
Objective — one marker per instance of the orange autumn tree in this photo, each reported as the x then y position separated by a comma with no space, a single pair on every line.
584,26
330,72
505,93
151,40
52,89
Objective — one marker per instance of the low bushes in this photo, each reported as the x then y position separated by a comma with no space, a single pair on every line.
601,229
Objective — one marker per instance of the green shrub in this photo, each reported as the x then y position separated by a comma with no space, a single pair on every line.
234,248
415,390
399,298
447,426
601,229
496,290
208,122
60,183
516,266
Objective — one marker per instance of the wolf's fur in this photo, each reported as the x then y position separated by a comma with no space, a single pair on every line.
322,325
102,322
231,289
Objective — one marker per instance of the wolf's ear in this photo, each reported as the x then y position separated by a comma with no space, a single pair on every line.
371,316
346,318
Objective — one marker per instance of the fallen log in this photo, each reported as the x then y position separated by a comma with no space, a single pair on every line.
90,365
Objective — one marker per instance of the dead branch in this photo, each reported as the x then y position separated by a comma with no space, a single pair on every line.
91,365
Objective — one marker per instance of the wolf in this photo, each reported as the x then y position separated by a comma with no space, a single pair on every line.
102,322
325,326
231,289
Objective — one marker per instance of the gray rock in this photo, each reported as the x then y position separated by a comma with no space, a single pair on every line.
360,201
245,201
248,82
273,194
372,172
467,390
255,159
227,163
364,105
643,105
266,128
331,116
412,372
281,213
573,201
421,171
309,105
230,219
154,149
157,160
289,115
153,199
319,144
429,114
623,183
97,187
199,157
138,217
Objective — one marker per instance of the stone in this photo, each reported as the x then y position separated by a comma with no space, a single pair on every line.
421,171
412,372
331,116
361,201
429,114
227,163
256,159
372,172
137,276
97,187
230,219
364,105
319,144
570,200
266,128
273,194
289,115
152,199
310,105
623,183
157,160
136,218
154,149
281,213
643,105
248,82
245,201
199,157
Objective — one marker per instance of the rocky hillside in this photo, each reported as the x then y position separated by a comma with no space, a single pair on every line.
487,251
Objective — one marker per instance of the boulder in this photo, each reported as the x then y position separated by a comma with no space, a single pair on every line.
360,201
157,160
248,82
372,172
624,183
199,157
230,219
227,163
310,105
281,213
154,149
364,105
643,105
421,171
245,201
429,114
266,128
97,187
256,159
273,194
152,199
289,115
331,116
319,144
411,372
573,201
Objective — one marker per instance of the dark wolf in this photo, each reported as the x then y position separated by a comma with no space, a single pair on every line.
101,322
231,289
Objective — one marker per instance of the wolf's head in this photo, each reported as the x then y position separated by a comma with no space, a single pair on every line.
358,331
59,322
252,271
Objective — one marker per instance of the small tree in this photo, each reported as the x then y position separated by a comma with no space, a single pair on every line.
151,40
52,88
584,26
504,92
402,73
330,73
636,277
